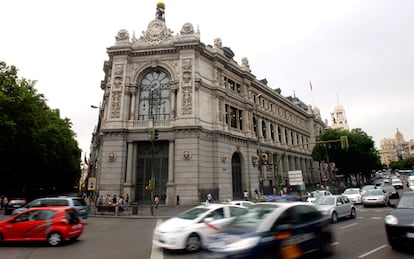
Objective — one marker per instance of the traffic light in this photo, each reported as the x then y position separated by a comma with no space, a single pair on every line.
344,142
155,134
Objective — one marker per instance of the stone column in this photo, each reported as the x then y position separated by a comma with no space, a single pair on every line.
171,191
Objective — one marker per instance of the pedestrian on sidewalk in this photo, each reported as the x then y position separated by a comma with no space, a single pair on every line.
209,197
157,201
178,202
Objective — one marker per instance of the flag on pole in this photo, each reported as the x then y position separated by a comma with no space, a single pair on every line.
86,160
310,85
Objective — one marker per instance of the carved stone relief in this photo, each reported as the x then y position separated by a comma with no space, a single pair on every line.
156,32
187,87
116,94
187,29
116,105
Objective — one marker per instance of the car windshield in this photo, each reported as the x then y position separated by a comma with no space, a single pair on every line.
374,192
316,194
351,191
250,221
406,202
325,201
192,213
368,187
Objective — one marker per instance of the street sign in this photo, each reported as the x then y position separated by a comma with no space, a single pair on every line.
295,177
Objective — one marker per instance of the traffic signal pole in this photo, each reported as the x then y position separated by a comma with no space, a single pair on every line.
342,139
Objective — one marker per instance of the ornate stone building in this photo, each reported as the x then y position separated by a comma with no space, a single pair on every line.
187,115
339,120
395,149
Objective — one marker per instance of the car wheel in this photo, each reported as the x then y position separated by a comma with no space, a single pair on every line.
1,239
54,239
334,217
353,213
193,242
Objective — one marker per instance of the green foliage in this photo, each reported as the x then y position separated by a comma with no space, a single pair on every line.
407,163
38,150
360,157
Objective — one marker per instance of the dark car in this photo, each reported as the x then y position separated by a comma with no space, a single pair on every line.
274,230
399,222
53,225
393,193
14,203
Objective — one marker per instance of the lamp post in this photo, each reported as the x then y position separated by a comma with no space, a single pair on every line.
259,151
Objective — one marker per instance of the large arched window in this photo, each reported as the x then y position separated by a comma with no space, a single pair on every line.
154,102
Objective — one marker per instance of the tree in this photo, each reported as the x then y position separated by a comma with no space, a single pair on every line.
38,150
407,163
360,159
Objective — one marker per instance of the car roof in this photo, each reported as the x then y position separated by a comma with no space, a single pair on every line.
57,208
215,205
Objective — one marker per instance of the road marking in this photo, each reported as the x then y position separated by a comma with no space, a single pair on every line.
156,252
348,226
377,217
372,251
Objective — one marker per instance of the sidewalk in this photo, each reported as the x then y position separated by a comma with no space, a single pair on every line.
141,211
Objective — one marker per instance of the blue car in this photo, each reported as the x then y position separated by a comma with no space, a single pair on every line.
274,229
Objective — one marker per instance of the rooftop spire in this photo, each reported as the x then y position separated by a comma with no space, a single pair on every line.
160,14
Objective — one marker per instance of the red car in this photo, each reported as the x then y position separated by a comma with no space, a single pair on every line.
52,224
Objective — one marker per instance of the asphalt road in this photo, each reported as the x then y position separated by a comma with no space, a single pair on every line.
124,238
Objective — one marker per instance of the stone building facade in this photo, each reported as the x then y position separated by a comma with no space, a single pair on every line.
217,128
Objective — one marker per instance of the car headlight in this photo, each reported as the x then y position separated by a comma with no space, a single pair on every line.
391,220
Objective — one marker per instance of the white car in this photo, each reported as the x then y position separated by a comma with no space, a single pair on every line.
190,229
397,183
316,194
354,194
242,203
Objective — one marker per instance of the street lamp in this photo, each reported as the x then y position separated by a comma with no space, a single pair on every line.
259,151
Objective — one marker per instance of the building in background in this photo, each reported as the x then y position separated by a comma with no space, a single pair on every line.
395,149
338,117
192,118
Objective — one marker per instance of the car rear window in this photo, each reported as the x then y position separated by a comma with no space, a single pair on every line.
72,216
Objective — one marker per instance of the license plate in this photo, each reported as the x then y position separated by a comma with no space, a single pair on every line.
410,235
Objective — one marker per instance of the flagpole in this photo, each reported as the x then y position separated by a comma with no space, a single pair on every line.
311,92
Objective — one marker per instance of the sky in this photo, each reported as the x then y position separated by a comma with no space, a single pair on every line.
358,54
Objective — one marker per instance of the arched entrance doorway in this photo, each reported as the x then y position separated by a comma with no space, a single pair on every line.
236,176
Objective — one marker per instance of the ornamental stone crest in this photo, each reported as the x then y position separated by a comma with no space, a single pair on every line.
156,32
187,29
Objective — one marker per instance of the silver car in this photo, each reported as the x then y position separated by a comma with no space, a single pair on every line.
335,207
376,197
